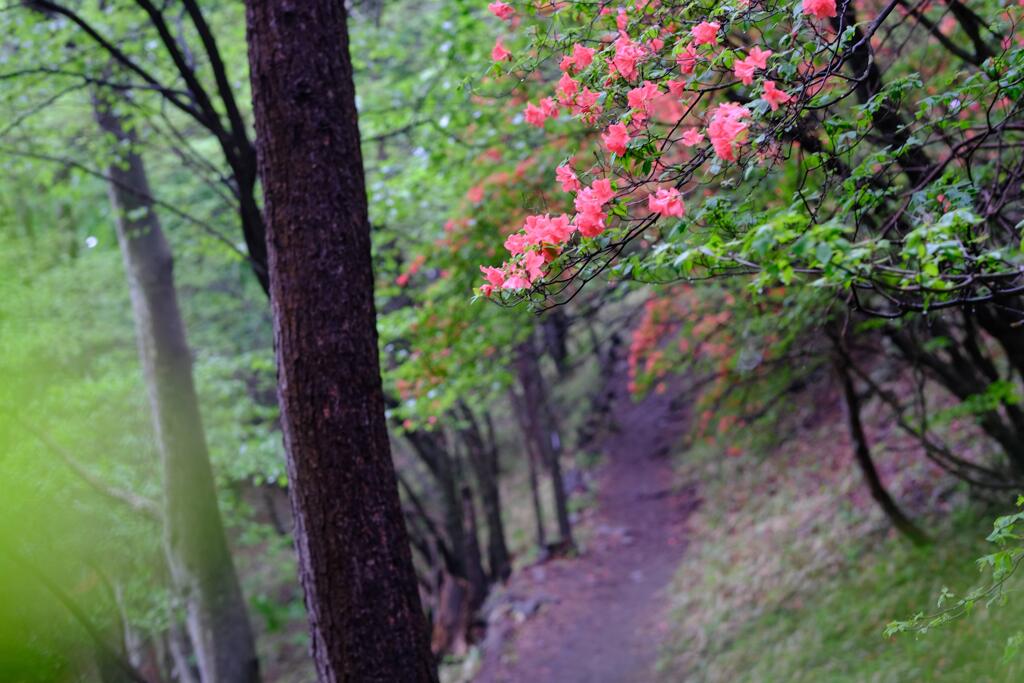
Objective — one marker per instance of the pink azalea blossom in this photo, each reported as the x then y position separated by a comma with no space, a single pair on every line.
516,281
616,138
726,125
759,57
533,262
590,224
744,68
534,115
627,54
502,10
706,32
586,101
744,71
640,98
567,177
822,9
567,88
537,115
692,137
621,20
542,230
590,205
494,276
516,243
676,88
687,59
602,189
773,96
582,56
666,202
549,107
559,229
498,52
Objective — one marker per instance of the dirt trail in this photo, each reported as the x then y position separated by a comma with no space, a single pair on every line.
602,615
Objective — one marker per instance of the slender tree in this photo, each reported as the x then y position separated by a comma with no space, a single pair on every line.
200,562
355,561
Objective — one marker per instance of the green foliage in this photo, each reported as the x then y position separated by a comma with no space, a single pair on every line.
999,567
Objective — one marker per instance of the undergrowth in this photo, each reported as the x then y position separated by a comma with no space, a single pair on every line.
793,573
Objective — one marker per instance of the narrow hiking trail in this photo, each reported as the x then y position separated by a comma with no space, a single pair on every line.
600,617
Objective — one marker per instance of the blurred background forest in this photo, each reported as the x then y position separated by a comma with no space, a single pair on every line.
670,475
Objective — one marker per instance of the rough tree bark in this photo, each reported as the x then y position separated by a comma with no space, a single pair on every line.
202,569
862,454
544,433
531,460
483,460
355,562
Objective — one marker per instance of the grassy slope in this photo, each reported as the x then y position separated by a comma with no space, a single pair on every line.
794,574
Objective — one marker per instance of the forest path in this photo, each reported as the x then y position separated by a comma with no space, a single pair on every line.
602,615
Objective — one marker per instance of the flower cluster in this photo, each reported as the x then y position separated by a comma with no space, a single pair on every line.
602,76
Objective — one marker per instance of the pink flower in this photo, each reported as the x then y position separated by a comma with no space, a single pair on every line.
676,88
602,189
533,262
475,194
585,102
542,230
494,276
498,52
582,56
590,205
567,177
590,224
744,68
773,96
640,98
549,107
687,59
516,281
559,229
666,202
516,243
621,20
567,88
502,10
759,57
656,44
534,115
706,32
822,9
692,137
627,54
616,138
726,125
744,71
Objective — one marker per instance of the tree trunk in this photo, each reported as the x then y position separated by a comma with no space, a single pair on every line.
531,460
474,561
435,456
355,562
862,454
483,460
195,544
544,433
